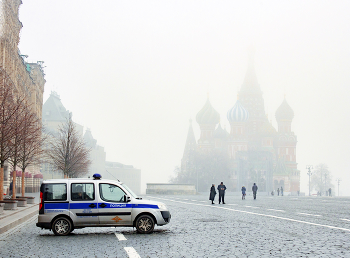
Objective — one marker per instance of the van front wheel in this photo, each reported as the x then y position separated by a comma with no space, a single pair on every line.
61,226
145,224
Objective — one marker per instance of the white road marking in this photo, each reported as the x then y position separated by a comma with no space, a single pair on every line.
202,201
120,237
307,214
185,199
251,207
232,204
132,252
260,214
193,200
276,210
346,219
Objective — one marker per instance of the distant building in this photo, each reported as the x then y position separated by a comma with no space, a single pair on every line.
257,152
171,189
97,154
125,173
54,115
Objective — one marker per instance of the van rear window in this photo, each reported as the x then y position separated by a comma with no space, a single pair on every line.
55,192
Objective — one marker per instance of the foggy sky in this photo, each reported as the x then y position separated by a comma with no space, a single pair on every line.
135,72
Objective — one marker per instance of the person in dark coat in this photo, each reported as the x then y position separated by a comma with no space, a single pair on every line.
243,192
212,194
254,189
222,189
281,191
278,192
11,188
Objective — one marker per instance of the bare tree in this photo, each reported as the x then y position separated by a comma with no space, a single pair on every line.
19,121
67,151
321,178
8,110
32,139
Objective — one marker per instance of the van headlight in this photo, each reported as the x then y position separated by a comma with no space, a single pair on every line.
162,206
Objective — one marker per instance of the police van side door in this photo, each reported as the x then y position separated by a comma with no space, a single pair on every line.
83,203
113,208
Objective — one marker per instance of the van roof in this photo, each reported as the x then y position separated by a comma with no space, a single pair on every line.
66,180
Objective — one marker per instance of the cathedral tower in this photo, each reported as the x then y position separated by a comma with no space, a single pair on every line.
251,98
207,118
286,149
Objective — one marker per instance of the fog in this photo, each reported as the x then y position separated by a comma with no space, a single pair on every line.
135,72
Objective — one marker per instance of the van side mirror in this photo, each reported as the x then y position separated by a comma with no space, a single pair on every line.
126,198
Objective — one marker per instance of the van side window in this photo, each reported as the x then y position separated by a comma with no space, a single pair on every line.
111,193
82,192
55,192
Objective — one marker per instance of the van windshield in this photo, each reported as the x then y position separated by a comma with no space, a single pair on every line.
129,190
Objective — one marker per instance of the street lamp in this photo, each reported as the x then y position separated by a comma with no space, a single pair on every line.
338,180
197,178
309,167
325,181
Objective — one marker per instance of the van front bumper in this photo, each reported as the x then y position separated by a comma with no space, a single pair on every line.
166,216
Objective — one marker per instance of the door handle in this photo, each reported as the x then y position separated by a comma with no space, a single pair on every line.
102,205
92,205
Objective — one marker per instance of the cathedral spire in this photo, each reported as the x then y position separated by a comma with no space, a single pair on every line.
191,144
250,83
190,148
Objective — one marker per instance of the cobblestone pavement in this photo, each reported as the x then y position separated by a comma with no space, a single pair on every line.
267,227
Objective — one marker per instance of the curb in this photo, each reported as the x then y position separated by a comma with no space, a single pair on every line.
34,211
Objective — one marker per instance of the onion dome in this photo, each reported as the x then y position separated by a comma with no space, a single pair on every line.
208,115
284,111
220,133
237,113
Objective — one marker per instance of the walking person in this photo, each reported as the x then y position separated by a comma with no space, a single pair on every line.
278,192
281,191
254,189
11,189
212,193
330,192
243,192
222,189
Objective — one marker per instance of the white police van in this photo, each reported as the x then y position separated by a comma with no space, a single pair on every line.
68,204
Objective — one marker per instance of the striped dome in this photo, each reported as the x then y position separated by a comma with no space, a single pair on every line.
237,113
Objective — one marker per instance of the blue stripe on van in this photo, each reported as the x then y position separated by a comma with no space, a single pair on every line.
115,205
85,205
82,205
50,206
127,205
145,206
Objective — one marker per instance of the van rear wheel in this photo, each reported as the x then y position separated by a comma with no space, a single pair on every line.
145,224
62,226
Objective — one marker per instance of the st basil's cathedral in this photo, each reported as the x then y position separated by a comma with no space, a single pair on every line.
257,152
